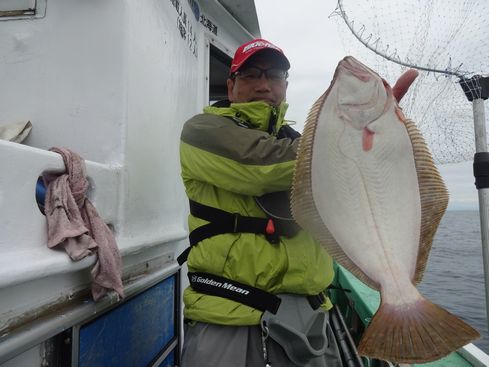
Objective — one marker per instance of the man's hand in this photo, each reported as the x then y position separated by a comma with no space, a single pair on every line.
403,83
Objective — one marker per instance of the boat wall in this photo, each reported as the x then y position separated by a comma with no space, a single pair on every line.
62,72
167,83
113,81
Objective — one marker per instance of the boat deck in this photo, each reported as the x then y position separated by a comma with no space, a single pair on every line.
365,302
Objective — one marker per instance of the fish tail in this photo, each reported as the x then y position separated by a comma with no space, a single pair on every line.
414,333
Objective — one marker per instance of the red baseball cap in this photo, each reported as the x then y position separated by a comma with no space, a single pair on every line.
245,51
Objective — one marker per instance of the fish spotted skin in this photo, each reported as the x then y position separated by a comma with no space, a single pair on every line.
366,187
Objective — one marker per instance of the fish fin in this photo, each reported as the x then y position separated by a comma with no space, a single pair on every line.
303,208
414,333
433,193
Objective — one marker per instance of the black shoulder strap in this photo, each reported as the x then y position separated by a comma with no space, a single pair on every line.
287,132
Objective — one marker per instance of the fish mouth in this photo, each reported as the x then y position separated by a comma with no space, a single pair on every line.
357,69
370,103
364,104
363,75
362,95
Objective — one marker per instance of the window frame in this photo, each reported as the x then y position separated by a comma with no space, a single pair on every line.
38,10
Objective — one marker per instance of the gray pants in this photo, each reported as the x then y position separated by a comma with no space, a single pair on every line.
209,345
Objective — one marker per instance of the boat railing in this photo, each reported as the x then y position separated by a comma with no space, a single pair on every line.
35,279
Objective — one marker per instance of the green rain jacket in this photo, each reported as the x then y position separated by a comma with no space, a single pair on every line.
227,158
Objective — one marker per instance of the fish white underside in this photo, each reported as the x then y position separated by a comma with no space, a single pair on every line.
369,200
365,185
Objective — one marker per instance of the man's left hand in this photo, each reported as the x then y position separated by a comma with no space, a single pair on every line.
403,83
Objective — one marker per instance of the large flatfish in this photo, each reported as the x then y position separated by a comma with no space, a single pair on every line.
366,187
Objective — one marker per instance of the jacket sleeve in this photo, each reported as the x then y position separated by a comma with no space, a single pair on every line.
217,151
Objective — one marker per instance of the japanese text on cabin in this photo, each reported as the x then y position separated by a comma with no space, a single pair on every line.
184,25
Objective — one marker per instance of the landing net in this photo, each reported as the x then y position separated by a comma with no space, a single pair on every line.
445,40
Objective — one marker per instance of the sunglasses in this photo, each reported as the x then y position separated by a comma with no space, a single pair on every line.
255,73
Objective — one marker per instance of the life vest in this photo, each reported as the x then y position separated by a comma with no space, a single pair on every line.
225,167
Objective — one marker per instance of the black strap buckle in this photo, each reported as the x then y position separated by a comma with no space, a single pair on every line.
317,300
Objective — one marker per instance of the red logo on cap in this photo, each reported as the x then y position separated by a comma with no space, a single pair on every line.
245,51
261,44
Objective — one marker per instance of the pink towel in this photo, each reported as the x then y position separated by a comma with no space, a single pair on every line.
74,224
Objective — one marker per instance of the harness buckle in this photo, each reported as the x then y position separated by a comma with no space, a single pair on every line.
271,233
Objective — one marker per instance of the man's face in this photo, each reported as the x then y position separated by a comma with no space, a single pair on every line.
267,89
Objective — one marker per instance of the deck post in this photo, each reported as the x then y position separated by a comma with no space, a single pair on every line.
476,90
481,147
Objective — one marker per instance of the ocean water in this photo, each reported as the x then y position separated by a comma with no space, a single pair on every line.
454,277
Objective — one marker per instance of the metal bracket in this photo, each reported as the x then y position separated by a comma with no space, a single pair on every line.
476,87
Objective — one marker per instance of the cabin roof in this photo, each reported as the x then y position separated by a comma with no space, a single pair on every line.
244,12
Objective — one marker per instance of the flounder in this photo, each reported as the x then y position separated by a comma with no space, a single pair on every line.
366,186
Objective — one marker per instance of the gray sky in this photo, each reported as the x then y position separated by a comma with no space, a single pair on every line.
310,39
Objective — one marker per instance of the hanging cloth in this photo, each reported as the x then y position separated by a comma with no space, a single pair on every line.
75,226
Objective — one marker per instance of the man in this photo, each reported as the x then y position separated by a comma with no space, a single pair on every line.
251,274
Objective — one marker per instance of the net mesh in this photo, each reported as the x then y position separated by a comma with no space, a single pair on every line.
447,41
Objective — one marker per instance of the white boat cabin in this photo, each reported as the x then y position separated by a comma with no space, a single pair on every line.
114,81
